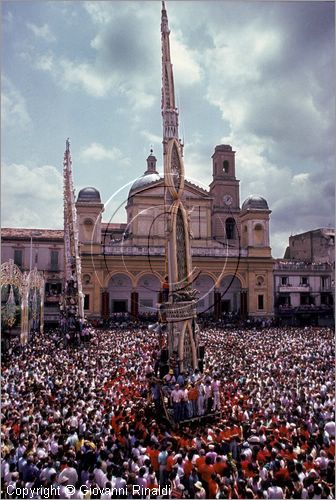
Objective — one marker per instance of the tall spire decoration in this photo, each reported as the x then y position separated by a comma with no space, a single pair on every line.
73,295
180,306
169,110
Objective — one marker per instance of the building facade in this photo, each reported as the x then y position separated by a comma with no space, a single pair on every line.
304,293
42,249
124,265
317,246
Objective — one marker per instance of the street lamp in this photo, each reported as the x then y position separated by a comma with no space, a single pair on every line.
33,233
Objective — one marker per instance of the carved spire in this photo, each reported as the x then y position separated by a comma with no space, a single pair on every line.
169,111
71,241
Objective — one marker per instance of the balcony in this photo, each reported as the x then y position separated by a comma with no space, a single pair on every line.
160,251
301,266
52,299
294,289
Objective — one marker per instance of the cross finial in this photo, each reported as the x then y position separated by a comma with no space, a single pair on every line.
68,144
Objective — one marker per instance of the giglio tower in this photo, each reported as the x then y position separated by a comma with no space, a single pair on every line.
73,306
180,308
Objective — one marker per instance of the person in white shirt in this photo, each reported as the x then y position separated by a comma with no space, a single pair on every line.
200,399
274,492
176,400
216,396
100,476
330,428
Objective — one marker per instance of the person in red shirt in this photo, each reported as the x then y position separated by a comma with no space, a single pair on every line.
201,460
205,471
262,454
219,466
170,461
213,486
153,454
188,466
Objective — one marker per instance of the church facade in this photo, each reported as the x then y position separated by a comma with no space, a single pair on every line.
124,264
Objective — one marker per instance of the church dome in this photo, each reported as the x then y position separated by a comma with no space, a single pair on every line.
255,202
145,180
89,195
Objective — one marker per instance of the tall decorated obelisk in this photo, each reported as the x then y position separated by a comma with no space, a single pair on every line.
180,309
73,294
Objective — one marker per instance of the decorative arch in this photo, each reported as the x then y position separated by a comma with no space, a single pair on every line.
110,275
211,275
148,289
235,274
87,279
205,285
230,288
149,273
260,281
119,287
88,228
186,332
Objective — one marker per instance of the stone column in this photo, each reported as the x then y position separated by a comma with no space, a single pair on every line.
217,304
105,301
243,304
134,305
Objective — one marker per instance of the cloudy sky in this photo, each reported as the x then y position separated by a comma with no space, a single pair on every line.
256,75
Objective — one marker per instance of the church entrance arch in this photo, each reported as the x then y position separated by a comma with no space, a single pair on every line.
204,284
148,288
230,293
120,288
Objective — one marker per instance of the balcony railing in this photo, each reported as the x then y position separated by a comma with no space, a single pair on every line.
160,251
54,268
302,266
293,289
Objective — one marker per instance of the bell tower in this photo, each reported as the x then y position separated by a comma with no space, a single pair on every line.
224,190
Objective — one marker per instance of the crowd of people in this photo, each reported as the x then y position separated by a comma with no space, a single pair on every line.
87,421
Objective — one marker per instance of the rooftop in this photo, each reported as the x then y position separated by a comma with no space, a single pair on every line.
26,234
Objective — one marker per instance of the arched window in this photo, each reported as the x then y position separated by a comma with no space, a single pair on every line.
230,228
88,228
225,167
258,235
260,281
86,279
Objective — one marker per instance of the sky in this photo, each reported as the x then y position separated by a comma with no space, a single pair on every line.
256,75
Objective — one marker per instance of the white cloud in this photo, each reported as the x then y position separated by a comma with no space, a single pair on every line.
31,197
13,105
84,75
98,11
186,69
45,63
150,137
70,74
139,99
98,152
43,32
